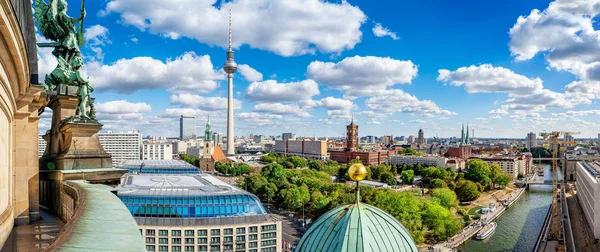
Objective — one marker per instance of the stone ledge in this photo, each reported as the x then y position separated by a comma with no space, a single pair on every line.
100,222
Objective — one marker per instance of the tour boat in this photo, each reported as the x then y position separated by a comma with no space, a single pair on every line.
486,231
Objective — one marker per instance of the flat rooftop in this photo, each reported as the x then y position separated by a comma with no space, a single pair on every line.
159,166
175,185
593,168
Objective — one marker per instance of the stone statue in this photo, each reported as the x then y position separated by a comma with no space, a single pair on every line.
56,25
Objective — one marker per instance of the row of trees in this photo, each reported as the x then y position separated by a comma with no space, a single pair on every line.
233,169
410,152
432,216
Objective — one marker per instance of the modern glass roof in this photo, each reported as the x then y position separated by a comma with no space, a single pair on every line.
159,167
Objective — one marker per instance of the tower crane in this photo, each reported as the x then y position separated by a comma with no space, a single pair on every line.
554,144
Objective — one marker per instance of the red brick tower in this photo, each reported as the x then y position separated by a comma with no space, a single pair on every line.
352,136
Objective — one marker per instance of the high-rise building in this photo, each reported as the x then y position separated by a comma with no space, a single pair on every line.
387,140
569,138
411,139
187,127
218,139
121,146
42,146
230,67
421,138
588,193
531,141
196,211
258,138
288,136
157,151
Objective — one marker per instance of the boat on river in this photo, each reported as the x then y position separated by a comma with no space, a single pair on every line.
486,231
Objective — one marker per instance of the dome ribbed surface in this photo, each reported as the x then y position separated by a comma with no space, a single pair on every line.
356,228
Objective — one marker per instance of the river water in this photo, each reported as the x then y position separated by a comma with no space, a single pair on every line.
520,225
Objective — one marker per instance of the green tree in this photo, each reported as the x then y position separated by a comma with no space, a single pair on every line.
272,171
298,162
437,183
446,196
479,171
467,190
267,159
407,176
388,177
441,221
319,202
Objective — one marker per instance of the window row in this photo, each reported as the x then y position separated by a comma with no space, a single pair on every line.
216,232
195,212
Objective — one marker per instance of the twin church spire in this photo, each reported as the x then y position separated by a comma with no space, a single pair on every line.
464,140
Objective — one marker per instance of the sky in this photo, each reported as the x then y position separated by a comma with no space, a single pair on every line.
308,66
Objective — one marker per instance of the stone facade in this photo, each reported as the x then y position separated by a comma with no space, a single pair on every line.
19,105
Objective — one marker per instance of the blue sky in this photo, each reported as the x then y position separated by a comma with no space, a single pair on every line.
505,67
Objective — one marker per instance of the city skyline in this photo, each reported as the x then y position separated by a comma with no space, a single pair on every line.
396,69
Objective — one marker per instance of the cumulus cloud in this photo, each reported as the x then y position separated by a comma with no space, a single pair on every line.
524,93
362,76
564,32
489,79
96,37
259,119
201,102
284,27
186,73
249,73
112,112
381,31
272,91
396,100
281,109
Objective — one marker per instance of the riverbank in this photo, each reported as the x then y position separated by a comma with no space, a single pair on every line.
468,232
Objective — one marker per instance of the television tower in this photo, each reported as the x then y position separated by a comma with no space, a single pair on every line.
230,67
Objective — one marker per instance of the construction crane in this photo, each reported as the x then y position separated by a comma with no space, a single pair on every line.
556,224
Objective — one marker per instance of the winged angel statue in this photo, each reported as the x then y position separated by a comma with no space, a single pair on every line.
56,25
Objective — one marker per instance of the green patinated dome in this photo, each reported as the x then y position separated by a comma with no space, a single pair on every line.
356,227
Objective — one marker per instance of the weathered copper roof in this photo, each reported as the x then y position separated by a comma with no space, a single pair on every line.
356,227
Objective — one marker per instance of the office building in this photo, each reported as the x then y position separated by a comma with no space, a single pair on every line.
198,212
288,136
307,148
258,138
588,193
387,140
438,161
158,167
217,139
411,139
42,146
187,127
508,164
157,151
179,147
531,140
121,146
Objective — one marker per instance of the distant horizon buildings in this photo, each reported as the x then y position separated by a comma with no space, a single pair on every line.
350,152
187,127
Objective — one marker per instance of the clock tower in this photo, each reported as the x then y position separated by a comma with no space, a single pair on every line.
352,136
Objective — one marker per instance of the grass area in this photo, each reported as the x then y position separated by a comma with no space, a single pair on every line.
473,212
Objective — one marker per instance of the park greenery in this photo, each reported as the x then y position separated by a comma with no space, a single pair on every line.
410,152
297,184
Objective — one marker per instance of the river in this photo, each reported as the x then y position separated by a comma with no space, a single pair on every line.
519,226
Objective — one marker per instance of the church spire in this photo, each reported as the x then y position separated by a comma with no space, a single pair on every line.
467,138
462,135
208,131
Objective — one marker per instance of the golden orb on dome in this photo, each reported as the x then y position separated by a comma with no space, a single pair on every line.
358,171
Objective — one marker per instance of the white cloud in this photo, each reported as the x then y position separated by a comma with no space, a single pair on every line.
96,37
204,103
565,33
272,91
186,73
258,119
489,79
362,76
575,113
396,100
123,107
249,73
381,31
284,27
524,93
281,109
374,122
177,112
417,121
